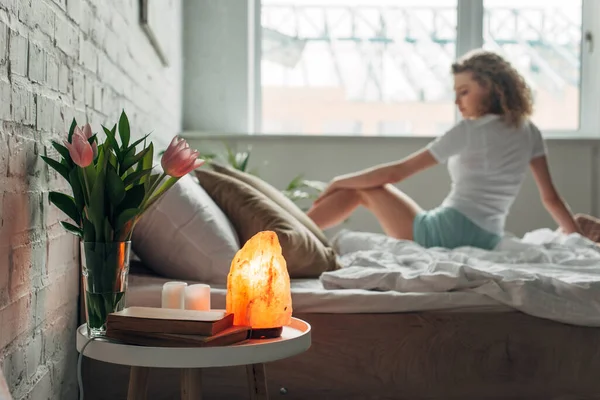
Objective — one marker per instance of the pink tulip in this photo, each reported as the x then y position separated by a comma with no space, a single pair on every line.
179,159
87,132
80,149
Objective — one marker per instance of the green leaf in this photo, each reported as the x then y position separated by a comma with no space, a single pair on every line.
124,129
150,181
71,130
76,186
132,147
131,161
125,216
114,186
295,183
108,231
72,228
96,211
58,167
89,234
132,177
110,137
92,139
66,204
133,198
62,150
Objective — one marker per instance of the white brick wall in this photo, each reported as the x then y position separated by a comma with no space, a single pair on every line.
59,59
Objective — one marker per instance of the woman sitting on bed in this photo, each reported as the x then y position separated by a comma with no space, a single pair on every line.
487,153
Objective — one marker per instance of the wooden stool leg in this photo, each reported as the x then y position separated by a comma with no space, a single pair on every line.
138,383
191,384
257,381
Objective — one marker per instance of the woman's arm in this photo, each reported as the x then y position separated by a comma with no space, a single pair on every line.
555,205
382,174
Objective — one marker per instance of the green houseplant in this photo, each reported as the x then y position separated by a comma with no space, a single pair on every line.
113,184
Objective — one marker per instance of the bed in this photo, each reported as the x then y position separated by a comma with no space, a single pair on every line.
370,344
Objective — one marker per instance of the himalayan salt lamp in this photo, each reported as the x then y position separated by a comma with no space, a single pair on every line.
258,287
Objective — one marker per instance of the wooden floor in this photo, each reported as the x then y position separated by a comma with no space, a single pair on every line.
443,355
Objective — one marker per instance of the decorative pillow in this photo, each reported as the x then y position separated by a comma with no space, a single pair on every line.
276,196
185,235
250,211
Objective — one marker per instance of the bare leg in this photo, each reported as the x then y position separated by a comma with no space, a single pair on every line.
394,210
334,208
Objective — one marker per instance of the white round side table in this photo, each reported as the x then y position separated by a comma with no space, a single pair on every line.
253,353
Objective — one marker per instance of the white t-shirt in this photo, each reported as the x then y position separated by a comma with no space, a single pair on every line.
487,160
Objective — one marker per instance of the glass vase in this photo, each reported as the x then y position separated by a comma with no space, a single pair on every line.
105,268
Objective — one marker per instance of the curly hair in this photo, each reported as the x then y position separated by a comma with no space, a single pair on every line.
509,94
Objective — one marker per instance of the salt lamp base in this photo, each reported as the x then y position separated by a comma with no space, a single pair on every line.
266,333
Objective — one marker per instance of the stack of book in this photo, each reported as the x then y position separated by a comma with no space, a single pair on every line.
167,327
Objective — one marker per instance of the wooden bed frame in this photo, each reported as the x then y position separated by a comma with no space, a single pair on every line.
424,355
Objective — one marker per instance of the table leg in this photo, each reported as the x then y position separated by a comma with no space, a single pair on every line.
191,384
138,383
257,381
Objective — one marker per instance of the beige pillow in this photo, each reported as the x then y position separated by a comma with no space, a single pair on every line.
274,194
250,212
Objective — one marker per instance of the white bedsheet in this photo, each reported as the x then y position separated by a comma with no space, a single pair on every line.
546,274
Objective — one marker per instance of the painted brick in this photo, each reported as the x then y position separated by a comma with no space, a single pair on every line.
5,93
4,268
52,72
89,90
23,105
45,113
37,63
66,36
16,319
74,9
34,353
63,78
88,55
18,53
43,17
67,58
98,97
3,50
78,86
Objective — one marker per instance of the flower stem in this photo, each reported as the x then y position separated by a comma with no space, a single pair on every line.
152,189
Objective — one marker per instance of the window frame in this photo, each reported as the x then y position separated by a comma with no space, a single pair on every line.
469,36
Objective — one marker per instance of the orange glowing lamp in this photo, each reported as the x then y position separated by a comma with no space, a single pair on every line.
258,287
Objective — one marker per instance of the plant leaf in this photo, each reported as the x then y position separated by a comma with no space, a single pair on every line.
114,186
72,228
110,137
133,198
295,183
96,210
71,130
76,186
108,231
63,151
134,144
58,167
66,204
124,129
129,162
89,234
125,216
134,176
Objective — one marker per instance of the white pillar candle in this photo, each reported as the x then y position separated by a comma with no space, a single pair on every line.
173,295
197,297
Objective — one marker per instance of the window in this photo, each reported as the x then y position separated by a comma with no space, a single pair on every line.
382,67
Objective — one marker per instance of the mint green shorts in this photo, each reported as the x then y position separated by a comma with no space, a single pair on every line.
449,228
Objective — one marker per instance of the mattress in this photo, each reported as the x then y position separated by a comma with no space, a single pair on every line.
309,296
